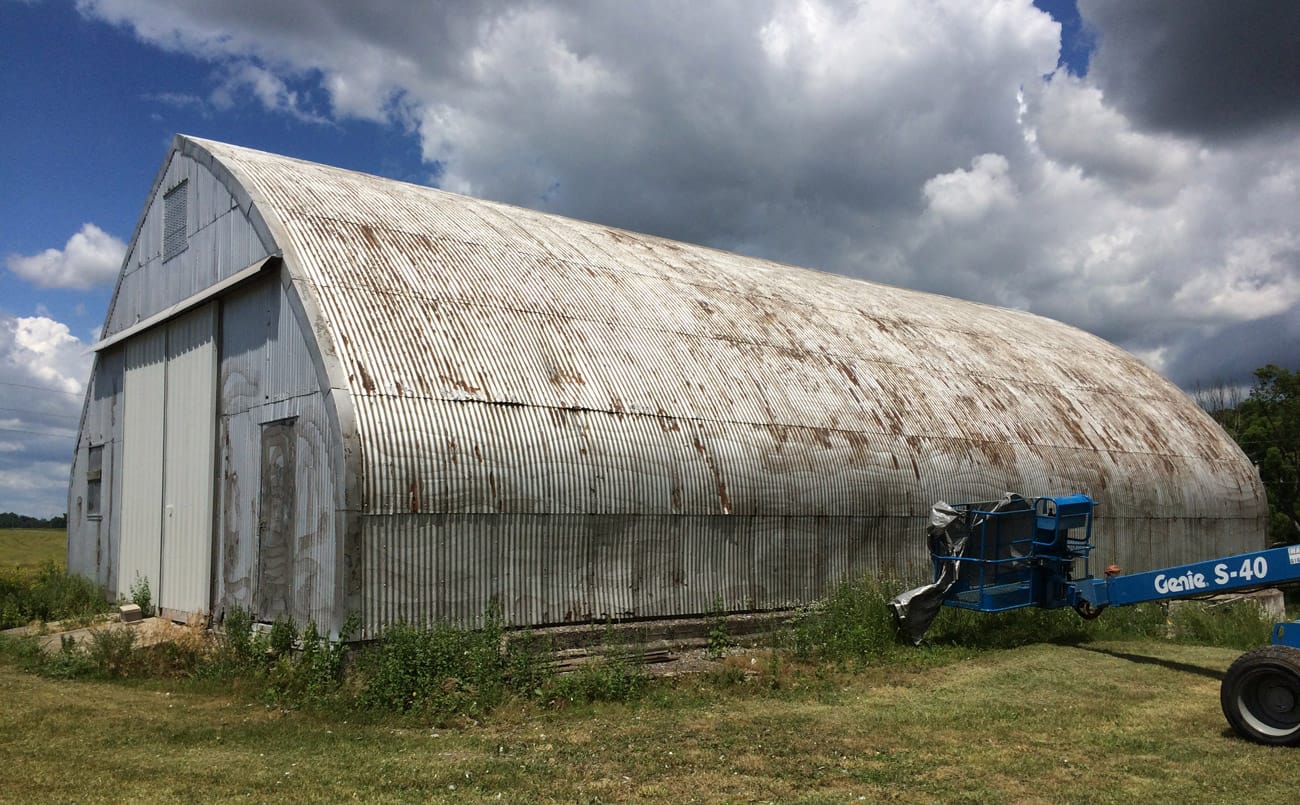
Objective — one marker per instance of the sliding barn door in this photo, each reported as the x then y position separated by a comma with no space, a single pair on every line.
189,442
169,442
143,399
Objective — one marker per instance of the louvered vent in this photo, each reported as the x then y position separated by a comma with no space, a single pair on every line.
174,220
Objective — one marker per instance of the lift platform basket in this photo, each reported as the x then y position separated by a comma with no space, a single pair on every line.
1016,553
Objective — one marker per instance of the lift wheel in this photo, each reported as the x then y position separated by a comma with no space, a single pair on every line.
1261,695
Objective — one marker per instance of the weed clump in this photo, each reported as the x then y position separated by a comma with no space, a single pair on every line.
443,672
614,676
852,624
142,596
286,667
49,594
1240,624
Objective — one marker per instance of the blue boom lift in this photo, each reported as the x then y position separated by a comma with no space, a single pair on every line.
1019,552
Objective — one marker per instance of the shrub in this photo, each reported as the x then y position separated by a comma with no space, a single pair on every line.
853,623
70,662
50,594
1237,624
113,653
141,596
284,633
312,675
1003,630
718,638
237,649
438,672
614,677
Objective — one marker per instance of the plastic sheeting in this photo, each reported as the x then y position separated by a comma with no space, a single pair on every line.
949,530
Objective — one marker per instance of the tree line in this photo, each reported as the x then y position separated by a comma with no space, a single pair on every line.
12,520
1265,422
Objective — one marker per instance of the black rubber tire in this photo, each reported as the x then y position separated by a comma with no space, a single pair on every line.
1087,611
1260,695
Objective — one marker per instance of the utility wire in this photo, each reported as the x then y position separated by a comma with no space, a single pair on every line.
39,433
41,413
40,388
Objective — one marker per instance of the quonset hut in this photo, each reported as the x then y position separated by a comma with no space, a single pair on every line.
320,392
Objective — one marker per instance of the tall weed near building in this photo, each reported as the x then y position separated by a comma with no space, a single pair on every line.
49,594
613,678
443,672
851,624
1238,624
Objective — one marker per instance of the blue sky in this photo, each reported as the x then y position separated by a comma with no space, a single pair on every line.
90,113
1081,161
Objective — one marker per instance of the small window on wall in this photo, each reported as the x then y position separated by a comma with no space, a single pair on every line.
175,221
94,478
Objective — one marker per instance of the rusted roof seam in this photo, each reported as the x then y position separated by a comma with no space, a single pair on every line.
756,289
684,418
463,303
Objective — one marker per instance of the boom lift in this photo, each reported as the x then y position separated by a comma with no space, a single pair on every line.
1018,552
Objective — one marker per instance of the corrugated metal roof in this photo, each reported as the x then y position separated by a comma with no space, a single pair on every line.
502,359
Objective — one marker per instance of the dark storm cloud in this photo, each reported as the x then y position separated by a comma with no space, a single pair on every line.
1205,68
1229,357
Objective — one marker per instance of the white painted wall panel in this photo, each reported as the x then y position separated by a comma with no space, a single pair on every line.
142,459
188,488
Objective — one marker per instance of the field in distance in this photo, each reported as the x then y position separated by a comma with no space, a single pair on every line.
28,548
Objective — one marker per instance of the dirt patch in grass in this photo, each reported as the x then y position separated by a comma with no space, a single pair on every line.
52,637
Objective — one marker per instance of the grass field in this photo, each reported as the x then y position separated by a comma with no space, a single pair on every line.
28,548
1089,719
1106,722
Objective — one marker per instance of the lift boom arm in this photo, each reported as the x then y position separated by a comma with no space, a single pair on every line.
1016,553
1245,571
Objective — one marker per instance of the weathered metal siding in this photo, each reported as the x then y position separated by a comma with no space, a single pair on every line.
570,420
188,455
93,541
267,374
557,568
220,243
223,236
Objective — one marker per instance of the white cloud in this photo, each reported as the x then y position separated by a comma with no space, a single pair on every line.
1075,126
42,371
90,257
177,100
968,195
44,352
1256,278
36,489
246,79
915,143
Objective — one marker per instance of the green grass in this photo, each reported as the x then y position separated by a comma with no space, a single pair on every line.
27,549
34,584
49,593
1021,706
1106,722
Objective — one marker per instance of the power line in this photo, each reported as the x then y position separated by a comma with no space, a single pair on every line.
39,433
41,413
40,388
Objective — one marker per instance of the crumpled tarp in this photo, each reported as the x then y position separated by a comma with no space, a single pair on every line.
916,609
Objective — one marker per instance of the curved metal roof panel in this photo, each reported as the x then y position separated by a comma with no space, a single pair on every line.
506,360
